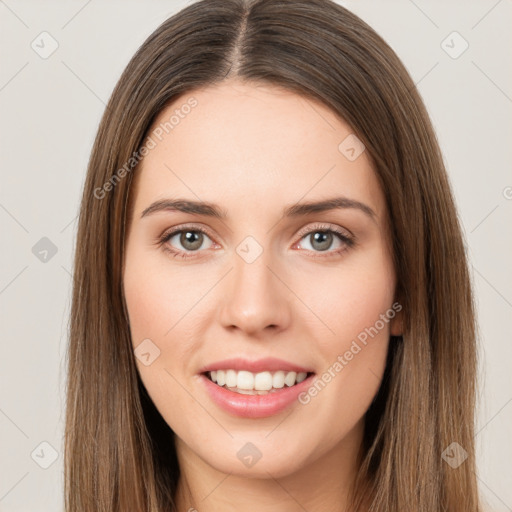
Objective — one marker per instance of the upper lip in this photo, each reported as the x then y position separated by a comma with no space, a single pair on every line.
260,365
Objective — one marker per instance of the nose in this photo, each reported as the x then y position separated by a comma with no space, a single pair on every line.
255,297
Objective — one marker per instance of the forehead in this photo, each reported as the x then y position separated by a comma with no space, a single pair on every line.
251,145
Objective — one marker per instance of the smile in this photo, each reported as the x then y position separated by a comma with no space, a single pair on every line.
255,403
261,383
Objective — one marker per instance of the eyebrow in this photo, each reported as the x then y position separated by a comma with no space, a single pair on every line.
296,210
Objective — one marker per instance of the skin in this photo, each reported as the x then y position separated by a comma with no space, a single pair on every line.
244,146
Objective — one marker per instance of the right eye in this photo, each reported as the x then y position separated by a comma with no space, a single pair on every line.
190,239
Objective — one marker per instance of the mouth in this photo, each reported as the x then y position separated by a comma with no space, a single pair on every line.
262,383
249,388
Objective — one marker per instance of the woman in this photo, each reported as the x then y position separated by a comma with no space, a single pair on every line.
271,304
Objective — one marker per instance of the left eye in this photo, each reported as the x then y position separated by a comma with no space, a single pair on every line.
190,239
322,240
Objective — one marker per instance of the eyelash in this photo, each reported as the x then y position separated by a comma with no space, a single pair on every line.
348,241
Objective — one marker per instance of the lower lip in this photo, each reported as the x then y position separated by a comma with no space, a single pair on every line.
255,406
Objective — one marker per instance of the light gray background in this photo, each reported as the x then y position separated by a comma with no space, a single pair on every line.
50,110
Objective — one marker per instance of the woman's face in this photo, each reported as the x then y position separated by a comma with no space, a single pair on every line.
241,270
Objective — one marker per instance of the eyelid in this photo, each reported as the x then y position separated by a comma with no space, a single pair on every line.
301,233
183,227
323,226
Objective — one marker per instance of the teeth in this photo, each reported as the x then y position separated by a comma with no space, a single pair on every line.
278,380
221,378
263,381
301,376
231,378
244,380
247,382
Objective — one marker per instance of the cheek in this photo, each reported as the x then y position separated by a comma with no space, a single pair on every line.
155,299
149,306
355,302
162,308
155,309
358,309
351,300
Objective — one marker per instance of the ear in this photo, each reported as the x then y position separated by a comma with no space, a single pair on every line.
396,323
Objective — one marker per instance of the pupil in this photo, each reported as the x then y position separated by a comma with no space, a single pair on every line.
324,240
191,240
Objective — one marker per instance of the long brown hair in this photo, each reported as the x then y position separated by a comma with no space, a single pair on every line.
119,452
